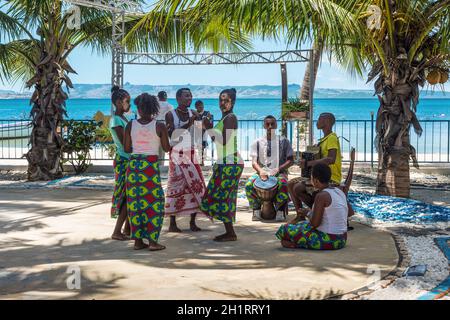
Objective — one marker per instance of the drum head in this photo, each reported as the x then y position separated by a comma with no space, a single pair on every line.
266,185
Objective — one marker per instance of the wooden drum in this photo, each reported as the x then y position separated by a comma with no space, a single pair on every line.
266,191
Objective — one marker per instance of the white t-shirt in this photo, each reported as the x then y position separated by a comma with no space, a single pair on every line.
164,107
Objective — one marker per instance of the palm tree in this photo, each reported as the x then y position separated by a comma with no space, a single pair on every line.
37,52
401,43
40,43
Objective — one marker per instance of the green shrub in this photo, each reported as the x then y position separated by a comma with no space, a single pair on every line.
79,138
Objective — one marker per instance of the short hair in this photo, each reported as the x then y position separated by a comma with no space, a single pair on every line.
321,172
199,102
232,93
162,95
147,104
180,92
270,117
330,116
118,94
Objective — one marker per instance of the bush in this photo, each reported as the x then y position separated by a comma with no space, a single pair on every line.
103,134
79,138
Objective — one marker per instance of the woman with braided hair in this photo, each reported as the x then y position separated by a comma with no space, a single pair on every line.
121,101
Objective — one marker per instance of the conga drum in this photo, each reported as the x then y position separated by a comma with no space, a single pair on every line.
312,153
266,191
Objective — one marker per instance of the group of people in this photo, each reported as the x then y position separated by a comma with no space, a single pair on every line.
140,204
139,201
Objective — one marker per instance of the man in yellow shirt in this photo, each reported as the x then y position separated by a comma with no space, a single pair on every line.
330,151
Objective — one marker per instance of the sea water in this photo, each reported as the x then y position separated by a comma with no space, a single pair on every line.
246,109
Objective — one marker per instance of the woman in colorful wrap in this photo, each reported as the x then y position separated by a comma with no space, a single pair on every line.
220,199
145,196
121,101
327,225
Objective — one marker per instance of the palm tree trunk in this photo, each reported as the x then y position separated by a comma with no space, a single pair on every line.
394,120
306,85
49,101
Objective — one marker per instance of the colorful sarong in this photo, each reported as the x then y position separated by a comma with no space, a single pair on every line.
145,197
305,236
119,196
281,199
186,185
220,199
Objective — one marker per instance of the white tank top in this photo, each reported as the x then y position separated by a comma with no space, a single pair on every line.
177,121
144,138
334,220
184,142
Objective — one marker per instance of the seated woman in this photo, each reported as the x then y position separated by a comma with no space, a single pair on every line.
271,155
327,225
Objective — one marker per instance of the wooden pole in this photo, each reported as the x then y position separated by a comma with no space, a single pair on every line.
284,95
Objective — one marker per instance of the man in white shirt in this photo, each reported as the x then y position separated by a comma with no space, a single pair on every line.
164,106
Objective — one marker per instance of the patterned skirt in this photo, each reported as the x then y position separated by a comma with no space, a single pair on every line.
306,237
220,199
281,199
119,195
145,197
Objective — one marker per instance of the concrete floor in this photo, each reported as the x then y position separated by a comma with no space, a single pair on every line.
43,232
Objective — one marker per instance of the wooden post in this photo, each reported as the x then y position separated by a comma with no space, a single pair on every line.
284,94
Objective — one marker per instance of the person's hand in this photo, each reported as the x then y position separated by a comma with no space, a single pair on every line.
263,175
302,164
274,171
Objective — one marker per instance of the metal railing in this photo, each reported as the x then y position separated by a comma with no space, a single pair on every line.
432,147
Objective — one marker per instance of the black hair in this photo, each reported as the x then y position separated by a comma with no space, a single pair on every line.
118,94
330,116
199,102
321,172
270,117
180,92
147,104
162,95
231,93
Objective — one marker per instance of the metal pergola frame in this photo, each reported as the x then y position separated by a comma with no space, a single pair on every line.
120,8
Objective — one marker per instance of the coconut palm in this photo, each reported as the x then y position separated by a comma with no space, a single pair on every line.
400,44
37,50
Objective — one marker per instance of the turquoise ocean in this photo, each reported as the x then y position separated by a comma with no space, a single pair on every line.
246,109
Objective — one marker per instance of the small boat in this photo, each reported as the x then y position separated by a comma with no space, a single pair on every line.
15,130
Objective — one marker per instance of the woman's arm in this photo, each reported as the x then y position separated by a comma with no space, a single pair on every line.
351,212
230,123
161,131
322,200
120,132
127,143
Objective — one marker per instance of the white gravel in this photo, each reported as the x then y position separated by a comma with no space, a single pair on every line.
422,250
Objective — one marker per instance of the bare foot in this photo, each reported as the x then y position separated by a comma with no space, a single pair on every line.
175,229
140,246
288,244
194,227
120,237
225,238
155,246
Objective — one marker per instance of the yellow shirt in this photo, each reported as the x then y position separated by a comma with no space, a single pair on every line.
328,143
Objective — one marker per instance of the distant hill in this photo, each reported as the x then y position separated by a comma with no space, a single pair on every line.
103,91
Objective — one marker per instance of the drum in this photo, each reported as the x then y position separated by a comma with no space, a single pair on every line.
266,191
308,156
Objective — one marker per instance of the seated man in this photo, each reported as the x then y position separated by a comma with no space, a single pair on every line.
327,225
330,152
271,155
